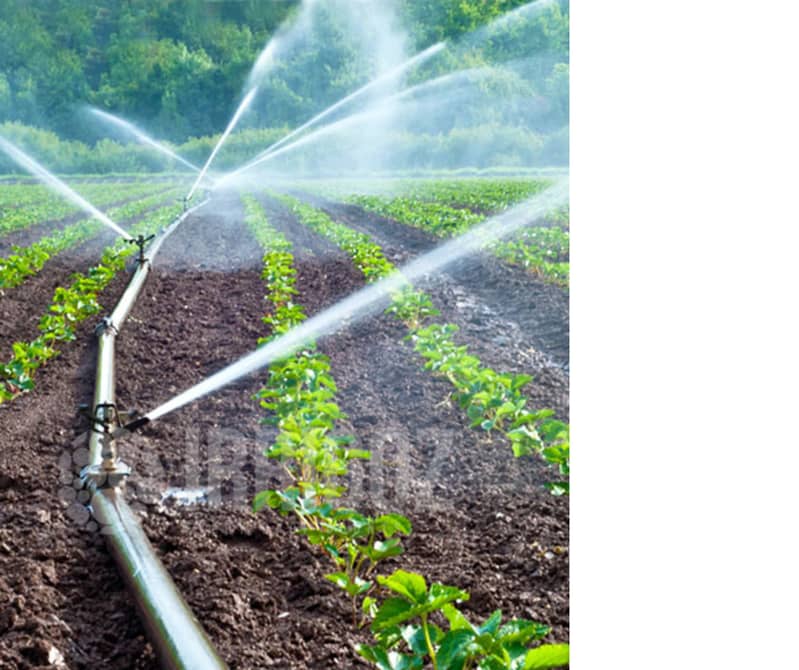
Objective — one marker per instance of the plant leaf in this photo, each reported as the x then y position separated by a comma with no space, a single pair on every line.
408,584
392,612
547,656
452,653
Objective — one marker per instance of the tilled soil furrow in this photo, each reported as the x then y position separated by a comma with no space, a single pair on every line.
511,321
539,310
22,306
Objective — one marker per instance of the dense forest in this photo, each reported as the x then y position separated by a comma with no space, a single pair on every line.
179,67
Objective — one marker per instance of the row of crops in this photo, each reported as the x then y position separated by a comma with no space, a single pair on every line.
415,622
300,397
22,205
447,208
73,303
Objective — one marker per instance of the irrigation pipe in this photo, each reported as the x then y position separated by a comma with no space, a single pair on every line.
177,637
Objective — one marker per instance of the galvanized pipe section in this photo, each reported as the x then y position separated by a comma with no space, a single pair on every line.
105,382
104,398
178,638
176,635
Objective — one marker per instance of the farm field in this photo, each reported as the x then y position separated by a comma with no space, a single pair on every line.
487,504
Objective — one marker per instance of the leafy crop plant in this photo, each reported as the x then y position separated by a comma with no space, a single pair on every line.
409,639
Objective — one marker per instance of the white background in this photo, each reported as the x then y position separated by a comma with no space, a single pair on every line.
684,200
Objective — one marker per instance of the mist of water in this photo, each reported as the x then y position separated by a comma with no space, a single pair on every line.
355,121
140,135
416,107
245,103
370,298
287,35
384,78
49,179
466,118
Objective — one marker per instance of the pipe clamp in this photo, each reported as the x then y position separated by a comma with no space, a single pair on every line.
105,324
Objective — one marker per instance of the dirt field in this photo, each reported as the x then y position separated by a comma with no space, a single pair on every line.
482,519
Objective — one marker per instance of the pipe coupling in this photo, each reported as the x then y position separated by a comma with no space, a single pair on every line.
105,475
105,324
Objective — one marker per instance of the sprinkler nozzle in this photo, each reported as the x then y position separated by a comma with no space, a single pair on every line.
140,241
130,427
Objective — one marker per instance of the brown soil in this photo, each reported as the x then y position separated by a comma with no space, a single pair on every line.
22,306
482,519
511,320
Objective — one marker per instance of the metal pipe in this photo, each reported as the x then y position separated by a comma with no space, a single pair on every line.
105,380
177,637
102,454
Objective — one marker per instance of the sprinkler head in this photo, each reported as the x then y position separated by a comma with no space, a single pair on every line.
140,241
105,324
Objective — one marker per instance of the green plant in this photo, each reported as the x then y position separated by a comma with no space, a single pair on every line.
299,395
408,638
412,307
355,543
492,401
71,305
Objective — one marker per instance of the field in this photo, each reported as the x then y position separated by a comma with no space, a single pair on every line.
446,426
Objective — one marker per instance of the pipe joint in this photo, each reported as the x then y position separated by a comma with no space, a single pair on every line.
106,324
105,475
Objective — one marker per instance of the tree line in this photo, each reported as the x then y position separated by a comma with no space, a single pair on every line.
178,67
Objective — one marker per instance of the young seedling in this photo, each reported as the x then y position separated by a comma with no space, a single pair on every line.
407,638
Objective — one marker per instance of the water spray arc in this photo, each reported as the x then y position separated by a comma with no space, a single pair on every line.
382,79
385,107
365,301
49,179
141,136
241,109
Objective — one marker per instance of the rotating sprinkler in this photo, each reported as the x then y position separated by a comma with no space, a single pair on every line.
111,471
140,241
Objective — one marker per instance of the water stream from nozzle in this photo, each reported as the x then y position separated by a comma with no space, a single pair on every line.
365,301
381,79
140,135
25,161
242,107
